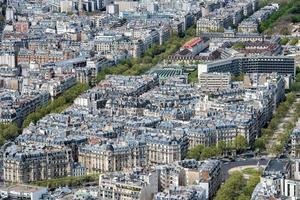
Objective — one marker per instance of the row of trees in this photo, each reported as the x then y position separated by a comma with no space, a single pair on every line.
8,131
200,152
295,87
285,8
281,112
57,105
287,130
11,130
155,54
295,19
295,11
134,66
69,181
237,187
288,127
267,133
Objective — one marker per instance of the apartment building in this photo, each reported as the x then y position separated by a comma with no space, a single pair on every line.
132,185
163,149
295,141
280,180
248,27
214,81
113,156
42,56
182,192
8,58
206,174
14,107
23,164
213,24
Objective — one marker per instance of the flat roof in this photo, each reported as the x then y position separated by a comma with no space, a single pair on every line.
23,188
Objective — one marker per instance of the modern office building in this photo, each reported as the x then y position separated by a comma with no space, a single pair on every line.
260,64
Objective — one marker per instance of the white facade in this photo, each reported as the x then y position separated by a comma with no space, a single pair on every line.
23,191
112,9
66,6
9,14
8,59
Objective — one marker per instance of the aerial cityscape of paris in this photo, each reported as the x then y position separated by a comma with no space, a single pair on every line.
150,100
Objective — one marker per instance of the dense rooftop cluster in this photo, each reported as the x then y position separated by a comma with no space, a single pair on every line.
105,86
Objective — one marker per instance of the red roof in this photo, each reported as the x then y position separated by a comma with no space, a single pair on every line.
192,43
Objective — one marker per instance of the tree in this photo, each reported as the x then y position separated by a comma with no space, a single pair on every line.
295,19
240,143
222,147
195,153
8,132
250,186
291,97
259,144
201,152
266,131
57,104
294,41
285,31
284,41
208,152
232,187
193,77
191,32
239,77
276,149
295,87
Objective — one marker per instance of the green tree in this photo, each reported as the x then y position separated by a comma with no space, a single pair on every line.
240,143
222,147
193,77
259,144
239,77
285,31
249,188
295,19
232,187
284,41
8,132
195,153
294,41
208,152
266,131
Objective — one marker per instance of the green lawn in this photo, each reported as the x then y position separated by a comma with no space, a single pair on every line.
251,171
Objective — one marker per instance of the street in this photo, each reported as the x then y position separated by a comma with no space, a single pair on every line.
229,165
